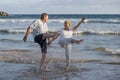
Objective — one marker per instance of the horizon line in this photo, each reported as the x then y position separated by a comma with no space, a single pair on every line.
63,14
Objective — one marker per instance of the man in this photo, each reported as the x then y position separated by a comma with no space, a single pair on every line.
39,30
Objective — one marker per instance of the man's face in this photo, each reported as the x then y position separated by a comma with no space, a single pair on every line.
46,18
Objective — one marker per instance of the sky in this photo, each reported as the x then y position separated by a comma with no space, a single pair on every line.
60,6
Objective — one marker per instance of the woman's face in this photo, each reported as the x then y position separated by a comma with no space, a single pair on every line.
67,25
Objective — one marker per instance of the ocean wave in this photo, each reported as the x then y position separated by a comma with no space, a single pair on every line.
30,20
108,50
114,21
12,31
31,56
93,32
16,20
97,32
113,51
56,20
10,40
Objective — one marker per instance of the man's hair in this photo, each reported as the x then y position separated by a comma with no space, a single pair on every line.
43,15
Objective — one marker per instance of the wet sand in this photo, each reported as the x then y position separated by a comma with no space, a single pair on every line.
24,64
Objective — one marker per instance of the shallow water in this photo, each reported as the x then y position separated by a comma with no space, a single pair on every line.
97,57
24,64
78,71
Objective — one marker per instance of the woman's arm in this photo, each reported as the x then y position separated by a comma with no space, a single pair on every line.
76,27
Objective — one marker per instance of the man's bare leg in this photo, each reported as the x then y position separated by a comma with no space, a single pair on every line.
43,60
49,35
46,35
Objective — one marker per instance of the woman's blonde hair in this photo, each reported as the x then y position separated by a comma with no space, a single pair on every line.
67,22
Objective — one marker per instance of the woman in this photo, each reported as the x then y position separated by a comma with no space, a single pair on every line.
66,40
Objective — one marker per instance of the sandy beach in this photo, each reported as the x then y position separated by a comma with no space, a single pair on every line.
24,64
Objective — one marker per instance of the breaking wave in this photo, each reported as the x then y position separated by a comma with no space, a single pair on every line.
108,50
15,20
114,21
17,31
8,31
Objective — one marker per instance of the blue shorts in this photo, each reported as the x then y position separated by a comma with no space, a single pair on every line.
42,43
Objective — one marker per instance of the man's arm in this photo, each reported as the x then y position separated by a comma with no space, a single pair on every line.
76,27
26,34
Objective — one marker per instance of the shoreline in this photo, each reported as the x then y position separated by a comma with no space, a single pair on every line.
24,65
33,57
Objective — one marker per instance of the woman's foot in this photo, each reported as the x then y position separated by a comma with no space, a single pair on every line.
67,68
79,41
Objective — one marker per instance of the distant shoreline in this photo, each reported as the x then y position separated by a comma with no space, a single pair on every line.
65,14
2,13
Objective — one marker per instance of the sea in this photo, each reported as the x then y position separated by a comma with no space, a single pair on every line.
101,34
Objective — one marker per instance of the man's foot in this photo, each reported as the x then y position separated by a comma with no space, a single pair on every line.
67,68
42,70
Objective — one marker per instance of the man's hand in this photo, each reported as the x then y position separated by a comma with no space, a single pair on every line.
25,38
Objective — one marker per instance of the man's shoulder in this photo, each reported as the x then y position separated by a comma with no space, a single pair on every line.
34,21
37,20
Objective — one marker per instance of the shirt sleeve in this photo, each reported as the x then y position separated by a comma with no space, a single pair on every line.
33,24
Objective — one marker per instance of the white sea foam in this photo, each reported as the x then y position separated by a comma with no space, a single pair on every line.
11,31
30,20
16,20
88,32
62,20
103,21
109,50
97,32
113,51
56,20
16,31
